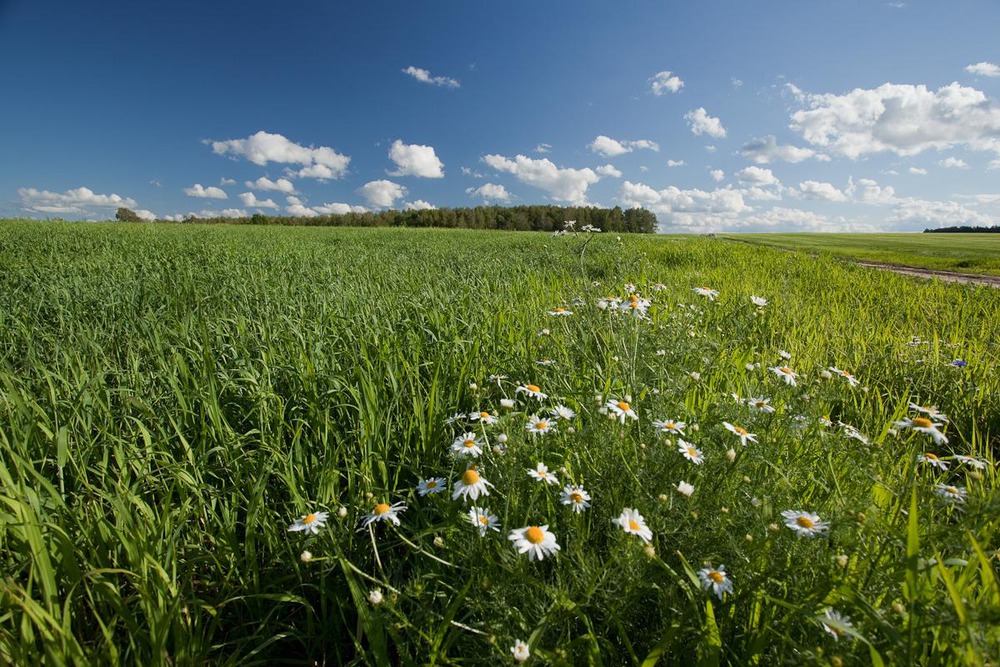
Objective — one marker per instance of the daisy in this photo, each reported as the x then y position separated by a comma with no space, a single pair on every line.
670,426
758,301
311,523
507,403
970,461
741,432
536,541
955,494
483,520
545,362
716,580
458,416
497,378
836,624
537,426
471,485
576,497
620,409
785,373
384,512
761,405
635,305
632,522
851,380
531,390
852,432
690,452
541,473
562,412
933,461
707,292
467,444
784,354
483,416
608,302
930,410
432,485
924,425
685,489
805,524
561,312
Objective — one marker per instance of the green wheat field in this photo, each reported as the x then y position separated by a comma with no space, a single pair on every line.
234,445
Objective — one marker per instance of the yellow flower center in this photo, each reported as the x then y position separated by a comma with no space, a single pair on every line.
381,509
786,370
760,404
634,525
576,497
739,430
534,535
542,425
707,289
692,452
431,484
470,477
532,387
623,406
804,522
484,415
633,304
952,490
932,457
483,520
309,518
469,444
716,576
633,298
922,422
560,310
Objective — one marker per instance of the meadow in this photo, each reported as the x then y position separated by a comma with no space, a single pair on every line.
962,253
225,445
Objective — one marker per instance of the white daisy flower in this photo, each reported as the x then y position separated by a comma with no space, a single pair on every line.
621,410
852,432
836,624
483,520
562,412
536,541
467,444
608,302
805,524
531,390
545,362
955,494
670,426
507,403
685,489
458,416
539,426
635,305
741,432
484,417
785,373
576,497
716,580
431,485
632,522
375,597
541,473
851,380
760,404
970,461
924,425
560,312
497,378
544,332
384,512
930,410
758,301
471,485
706,292
933,461
690,452
784,355
311,523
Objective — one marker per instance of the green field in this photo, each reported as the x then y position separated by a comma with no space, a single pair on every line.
963,253
174,398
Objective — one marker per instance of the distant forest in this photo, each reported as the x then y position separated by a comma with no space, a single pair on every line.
514,218
964,230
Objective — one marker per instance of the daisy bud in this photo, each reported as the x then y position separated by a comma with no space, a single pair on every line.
724,510
746,479
473,386
614,358
825,374
898,608
369,495
773,527
438,541
650,551
748,537
841,560
571,430
502,438
628,398
497,449
685,489
663,497
507,403
836,661
861,517
749,367
342,512
975,474
375,597
731,455
598,399
695,428
306,556
695,376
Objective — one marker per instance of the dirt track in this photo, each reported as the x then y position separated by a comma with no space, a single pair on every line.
951,276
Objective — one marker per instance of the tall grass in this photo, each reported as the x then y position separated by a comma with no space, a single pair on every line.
173,398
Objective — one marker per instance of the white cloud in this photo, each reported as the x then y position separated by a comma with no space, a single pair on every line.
424,76
382,193
419,205
764,150
71,201
918,213
870,192
994,164
564,185
249,199
717,174
337,208
210,192
470,172
609,147
543,148
665,82
984,69
684,207
710,149
918,171
702,123
736,82
676,163
264,183
821,191
224,213
490,192
902,119
146,215
757,176
260,148
415,160
609,170
953,163
227,181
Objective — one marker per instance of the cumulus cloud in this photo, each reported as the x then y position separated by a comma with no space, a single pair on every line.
419,205
249,199
821,191
415,160
72,201
702,123
227,181
609,147
757,176
543,148
918,171
263,147
984,69
209,213
901,119
676,163
717,174
424,76
382,193
564,185
609,170
953,163
684,207
994,164
868,191
917,213
145,214
210,192
490,192
765,150
471,172
264,183
665,82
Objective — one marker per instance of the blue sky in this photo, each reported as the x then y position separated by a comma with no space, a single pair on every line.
718,116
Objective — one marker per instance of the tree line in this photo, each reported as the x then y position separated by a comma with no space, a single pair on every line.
512,218
965,229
